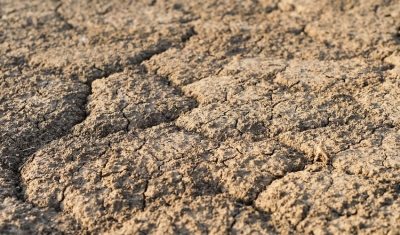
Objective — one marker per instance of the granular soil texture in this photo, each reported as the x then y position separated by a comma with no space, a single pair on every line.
200,117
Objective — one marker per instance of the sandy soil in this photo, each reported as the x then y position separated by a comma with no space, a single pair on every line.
200,117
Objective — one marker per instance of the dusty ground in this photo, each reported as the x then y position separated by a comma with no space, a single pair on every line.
200,117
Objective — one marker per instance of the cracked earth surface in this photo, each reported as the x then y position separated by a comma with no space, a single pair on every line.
200,117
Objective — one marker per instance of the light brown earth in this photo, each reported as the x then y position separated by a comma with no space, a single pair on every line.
200,117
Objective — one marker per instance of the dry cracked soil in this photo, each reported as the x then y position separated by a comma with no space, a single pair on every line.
200,117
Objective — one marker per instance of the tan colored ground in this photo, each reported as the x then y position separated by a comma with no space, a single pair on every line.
200,117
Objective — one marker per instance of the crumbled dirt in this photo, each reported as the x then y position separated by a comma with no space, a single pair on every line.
199,117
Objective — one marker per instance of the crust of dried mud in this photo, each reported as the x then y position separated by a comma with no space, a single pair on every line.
199,117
